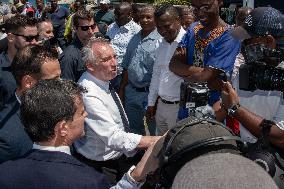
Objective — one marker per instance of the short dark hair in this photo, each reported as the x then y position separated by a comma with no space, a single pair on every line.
166,8
124,5
14,24
47,103
28,61
81,14
147,6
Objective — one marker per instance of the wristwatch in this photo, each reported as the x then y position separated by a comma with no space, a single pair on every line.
233,109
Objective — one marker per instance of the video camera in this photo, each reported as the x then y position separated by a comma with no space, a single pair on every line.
259,70
194,97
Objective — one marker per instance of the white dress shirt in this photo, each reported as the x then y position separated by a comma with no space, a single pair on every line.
120,37
267,104
64,149
165,83
105,137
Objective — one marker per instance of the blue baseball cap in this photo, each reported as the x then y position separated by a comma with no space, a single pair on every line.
261,21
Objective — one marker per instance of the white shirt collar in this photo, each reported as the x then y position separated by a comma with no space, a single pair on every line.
127,25
64,149
179,36
102,84
18,98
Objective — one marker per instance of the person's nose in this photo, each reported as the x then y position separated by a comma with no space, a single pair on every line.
113,61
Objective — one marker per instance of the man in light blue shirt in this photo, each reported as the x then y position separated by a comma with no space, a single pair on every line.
120,32
138,67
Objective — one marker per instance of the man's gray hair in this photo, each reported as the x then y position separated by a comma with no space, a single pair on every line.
88,55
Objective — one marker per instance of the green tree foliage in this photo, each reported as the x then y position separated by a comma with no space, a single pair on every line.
174,2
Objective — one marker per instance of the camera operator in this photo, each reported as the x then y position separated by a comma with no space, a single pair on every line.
260,83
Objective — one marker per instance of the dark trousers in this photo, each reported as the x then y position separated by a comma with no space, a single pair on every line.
114,169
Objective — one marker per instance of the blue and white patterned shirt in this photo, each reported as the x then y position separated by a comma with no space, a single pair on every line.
120,37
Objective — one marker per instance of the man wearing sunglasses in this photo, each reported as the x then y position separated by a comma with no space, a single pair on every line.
21,31
71,61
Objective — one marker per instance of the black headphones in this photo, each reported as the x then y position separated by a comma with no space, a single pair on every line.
260,152
202,143
174,160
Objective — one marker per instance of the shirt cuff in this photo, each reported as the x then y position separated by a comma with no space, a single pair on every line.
134,140
280,125
127,182
131,180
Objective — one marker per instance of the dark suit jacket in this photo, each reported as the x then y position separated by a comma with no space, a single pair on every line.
7,81
3,44
14,141
50,170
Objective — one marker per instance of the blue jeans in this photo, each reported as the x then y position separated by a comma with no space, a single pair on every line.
135,108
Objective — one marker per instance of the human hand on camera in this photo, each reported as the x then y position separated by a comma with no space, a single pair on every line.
229,95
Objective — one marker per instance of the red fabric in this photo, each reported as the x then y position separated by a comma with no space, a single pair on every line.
233,124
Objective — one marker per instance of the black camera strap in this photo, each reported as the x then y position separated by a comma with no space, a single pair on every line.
265,130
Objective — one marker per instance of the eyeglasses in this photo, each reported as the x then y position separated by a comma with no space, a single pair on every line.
86,28
204,8
28,38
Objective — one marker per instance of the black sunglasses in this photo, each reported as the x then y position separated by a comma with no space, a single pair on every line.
86,28
28,38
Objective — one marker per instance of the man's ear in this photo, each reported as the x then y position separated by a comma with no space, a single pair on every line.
271,41
74,29
28,82
61,128
10,37
90,67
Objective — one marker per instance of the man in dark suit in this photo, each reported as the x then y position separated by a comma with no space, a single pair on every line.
53,127
21,31
31,64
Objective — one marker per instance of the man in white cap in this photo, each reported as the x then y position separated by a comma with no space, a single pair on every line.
104,17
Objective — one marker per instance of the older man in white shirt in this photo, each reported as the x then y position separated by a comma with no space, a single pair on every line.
165,83
53,128
106,140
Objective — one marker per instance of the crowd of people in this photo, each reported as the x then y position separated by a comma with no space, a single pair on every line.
87,99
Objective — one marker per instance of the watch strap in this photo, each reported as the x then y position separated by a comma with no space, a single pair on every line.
233,109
